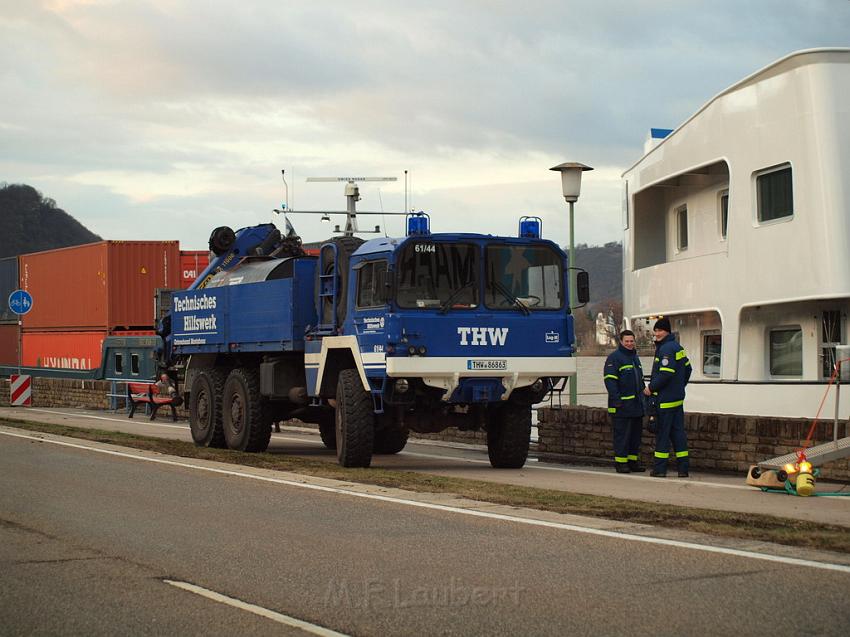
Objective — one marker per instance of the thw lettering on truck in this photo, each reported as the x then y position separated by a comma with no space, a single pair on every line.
483,335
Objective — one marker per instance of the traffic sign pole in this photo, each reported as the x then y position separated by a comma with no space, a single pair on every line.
20,302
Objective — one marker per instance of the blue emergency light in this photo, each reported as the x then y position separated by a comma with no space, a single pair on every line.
418,223
530,227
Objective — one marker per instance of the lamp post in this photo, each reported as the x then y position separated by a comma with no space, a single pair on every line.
571,188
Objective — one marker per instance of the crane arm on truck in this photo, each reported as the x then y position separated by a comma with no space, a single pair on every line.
230,248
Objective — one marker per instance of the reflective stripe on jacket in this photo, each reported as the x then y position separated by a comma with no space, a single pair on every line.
623,376
670,373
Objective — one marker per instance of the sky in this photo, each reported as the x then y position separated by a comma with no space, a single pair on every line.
163,119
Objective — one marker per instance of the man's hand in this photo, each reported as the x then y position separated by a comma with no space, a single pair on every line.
646,391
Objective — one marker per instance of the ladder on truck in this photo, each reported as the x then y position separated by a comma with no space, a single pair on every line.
328,289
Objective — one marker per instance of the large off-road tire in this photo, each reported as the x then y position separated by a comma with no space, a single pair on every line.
205,408
355,421
509,435
327,429
246,419
390,440
345,247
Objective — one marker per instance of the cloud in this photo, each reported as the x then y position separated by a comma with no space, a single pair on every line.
183,113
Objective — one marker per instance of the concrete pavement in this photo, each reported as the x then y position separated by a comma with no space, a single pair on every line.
377,565
711,491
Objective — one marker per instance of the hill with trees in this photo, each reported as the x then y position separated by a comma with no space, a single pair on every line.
30,222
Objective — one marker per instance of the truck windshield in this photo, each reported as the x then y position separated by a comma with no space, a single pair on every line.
438,275
523,277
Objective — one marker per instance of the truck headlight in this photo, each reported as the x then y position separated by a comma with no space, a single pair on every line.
401,386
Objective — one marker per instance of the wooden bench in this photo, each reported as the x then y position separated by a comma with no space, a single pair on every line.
148,393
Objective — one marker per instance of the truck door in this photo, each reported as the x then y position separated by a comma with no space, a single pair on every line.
368,317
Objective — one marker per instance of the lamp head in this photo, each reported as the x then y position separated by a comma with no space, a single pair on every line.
571,179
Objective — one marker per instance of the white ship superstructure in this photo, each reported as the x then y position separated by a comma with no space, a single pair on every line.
737,228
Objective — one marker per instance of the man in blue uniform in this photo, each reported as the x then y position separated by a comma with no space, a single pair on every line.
670,373
624,382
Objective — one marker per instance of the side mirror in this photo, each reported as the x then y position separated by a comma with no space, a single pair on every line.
582,287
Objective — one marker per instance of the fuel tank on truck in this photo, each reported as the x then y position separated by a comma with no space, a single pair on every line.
262,305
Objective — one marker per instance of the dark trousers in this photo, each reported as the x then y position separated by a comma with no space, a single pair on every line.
671,426
627,432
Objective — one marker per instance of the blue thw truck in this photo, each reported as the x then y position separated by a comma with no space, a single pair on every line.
372,340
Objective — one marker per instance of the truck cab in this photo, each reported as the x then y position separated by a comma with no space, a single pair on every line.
439,330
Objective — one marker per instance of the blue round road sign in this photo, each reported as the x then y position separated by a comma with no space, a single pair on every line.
20,301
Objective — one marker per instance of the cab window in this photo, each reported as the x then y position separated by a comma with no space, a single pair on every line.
371,284
530,275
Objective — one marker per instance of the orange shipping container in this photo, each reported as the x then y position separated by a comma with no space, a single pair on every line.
105,286
64,350
8,344
192,263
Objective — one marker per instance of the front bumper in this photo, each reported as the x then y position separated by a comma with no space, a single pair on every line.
445,372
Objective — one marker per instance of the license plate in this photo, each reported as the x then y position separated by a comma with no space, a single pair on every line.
486,365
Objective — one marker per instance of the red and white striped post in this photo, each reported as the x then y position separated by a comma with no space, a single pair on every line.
20,390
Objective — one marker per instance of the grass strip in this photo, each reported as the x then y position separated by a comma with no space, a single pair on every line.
746,526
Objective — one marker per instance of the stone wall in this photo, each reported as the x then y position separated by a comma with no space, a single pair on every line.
61,392
82,394
717,442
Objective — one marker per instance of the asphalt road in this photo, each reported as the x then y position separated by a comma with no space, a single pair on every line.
88,540
713,491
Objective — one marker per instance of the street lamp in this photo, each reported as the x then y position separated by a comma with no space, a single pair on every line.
571,187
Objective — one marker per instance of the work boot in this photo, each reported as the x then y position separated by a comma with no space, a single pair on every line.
622,468
658,474
635,466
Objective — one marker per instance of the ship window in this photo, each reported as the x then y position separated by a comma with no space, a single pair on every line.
119,363
711,354
724,213
786,352
626,205
775,194
371,284
682,227
134,364
830,337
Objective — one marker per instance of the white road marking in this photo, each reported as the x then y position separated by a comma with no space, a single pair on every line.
413,454
707,548
280,618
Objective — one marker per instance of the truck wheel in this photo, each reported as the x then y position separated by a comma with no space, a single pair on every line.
509,435
390,440
247,421
345,247
205,409
327,429
355,421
